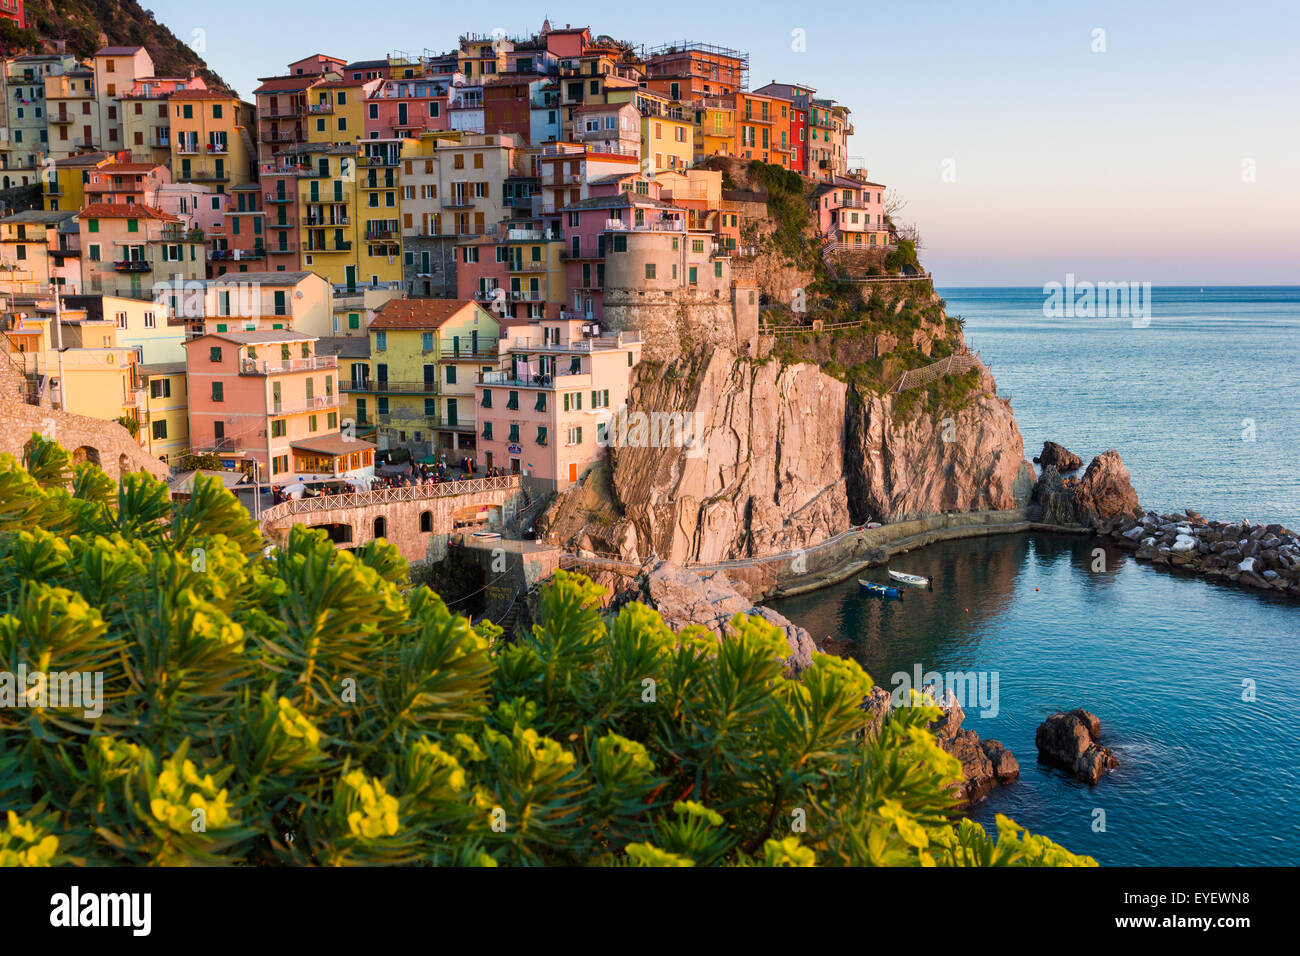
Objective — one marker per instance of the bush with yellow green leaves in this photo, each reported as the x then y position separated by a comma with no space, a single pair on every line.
304,705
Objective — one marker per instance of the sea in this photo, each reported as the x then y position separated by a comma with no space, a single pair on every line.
1196,685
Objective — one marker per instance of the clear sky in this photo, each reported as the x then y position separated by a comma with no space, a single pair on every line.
1026,144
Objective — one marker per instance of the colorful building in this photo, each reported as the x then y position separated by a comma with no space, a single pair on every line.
270,407
211,139
425,355
543,414
127,249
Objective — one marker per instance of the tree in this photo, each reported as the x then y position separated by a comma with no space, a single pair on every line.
308,707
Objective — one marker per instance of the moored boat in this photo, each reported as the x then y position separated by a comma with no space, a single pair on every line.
883,590
913,579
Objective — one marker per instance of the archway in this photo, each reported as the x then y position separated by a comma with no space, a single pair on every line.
86,453
338,533
380,527
426,521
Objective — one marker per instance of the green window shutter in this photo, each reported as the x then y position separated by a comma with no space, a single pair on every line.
92,225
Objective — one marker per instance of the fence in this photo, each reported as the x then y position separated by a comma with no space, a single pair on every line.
385,496
956,363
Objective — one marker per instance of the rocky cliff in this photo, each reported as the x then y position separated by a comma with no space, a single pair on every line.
780,456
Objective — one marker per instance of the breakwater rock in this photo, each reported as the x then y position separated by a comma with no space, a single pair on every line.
1073,741
1262,556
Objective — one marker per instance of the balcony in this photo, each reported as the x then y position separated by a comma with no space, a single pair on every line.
61,119
279,136
585,345
159,142
220,255
380,159
560,378
131,265
218,148
320,108
344,246
323,221
185,148
449,349
379,235
275,366
209,176
457,202
387,387
279,198
282,112
288,249
219,445
320,403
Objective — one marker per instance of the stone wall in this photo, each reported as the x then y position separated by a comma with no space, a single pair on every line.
104,443
679,321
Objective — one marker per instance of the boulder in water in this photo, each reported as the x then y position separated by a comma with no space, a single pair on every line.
1073,741
1059,457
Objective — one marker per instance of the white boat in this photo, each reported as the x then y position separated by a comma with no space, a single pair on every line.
913,579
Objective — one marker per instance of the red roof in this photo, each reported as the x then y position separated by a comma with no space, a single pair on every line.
124,210
115,168
417,313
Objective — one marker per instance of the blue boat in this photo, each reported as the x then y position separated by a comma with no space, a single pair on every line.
880,589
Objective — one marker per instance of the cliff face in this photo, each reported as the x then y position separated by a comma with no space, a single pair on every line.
785,456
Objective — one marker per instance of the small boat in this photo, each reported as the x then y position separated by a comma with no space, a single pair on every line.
913,579
883,590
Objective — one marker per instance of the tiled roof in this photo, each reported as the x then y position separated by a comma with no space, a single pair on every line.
417,313
118,50
257,336
124,210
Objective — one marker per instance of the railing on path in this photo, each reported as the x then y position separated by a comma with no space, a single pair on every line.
384,496
956,363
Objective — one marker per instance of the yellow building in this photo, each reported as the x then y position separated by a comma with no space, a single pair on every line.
425,357
335,111
63,181
715,128
163,411
210,138
667,140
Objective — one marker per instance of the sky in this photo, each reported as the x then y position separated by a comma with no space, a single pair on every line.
1116,141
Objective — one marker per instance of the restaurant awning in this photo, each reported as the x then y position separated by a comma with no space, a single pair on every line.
332,445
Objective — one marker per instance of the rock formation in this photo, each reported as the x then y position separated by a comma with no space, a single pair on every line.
1059,457
1104,492
985,764
684,597
1073,741
785,456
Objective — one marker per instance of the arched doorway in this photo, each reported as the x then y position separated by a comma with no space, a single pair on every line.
86,453
380,527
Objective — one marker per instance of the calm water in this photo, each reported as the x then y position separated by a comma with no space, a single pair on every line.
1176,399
1206,778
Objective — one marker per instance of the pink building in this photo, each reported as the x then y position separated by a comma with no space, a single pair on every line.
398,108
852,212
126,183
269,406
238,242
546,413
608,128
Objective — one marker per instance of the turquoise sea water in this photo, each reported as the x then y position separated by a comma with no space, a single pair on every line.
1176,398
1206,777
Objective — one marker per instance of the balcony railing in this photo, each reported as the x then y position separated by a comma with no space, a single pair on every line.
219,445
272,366
317,404
344,246
279,197
186,148
376,234
457,202
595,344
218,148
384,386
132,265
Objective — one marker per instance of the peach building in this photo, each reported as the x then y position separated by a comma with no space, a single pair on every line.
543,415
270,406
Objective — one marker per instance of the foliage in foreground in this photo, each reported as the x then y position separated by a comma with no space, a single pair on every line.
307,708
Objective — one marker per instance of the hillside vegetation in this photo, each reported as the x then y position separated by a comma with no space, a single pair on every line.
88,25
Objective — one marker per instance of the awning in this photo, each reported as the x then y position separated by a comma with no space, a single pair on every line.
332,445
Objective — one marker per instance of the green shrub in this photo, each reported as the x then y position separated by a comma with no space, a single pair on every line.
307,706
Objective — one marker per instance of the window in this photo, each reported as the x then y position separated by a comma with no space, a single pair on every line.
487,398
354,320
426,341
541,402
514,432
451,375
649,270
381,341
541,434
277,428
218,394
214,354
600,399
160,388
149,321
513,401
92,225
575,435
426,521
431,407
